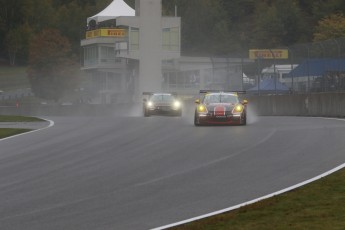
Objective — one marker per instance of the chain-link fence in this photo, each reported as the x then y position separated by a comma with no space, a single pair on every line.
308,67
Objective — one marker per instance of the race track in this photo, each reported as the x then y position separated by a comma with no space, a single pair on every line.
136,173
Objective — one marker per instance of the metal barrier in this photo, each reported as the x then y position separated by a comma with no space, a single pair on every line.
316,67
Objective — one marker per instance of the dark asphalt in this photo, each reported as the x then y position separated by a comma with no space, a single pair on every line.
114,172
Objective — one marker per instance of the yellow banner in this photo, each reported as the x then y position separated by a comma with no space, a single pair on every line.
268,54
106,33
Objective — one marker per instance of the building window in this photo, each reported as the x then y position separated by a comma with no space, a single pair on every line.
107,52
171,39
134,38
90,55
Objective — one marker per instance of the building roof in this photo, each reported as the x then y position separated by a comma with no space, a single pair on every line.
269,85
318,67
115,9
279,68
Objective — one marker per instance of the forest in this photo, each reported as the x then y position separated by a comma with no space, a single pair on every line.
209,27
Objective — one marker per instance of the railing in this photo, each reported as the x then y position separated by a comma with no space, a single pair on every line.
320,66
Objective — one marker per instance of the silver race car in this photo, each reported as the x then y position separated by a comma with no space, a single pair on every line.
161,104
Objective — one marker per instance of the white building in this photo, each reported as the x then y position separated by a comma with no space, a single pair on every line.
281,72
124,49
127,52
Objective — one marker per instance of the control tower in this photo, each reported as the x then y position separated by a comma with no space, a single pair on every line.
124,48
150,42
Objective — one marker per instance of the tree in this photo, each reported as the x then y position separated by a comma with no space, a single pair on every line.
322,9
240,15
330,27
209,27
10,18
278,24
204,26
71,23
71,19
17,41
14,44
39,14
52,66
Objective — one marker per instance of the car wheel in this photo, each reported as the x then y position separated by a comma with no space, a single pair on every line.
244,120
196,119
146,113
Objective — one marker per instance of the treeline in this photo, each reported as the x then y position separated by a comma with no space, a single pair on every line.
22,20
209,27
221,27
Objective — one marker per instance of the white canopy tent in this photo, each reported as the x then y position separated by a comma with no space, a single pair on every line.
116,9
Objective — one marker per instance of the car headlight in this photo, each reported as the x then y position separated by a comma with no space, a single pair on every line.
177,104
202,109
150,104
238,109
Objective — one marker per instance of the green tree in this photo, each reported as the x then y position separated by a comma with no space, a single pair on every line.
322,9
330,27
71,23
204,26
18,20
10,18
16,42
38,14
209,27
240,15
278,24
52,66
71,19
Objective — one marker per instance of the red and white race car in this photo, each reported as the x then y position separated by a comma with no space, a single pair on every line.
222,108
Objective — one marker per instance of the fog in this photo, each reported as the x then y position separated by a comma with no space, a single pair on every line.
252,116
188,109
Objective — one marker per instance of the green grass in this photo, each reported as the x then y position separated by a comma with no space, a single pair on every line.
12,78
319,205
6,132
10,118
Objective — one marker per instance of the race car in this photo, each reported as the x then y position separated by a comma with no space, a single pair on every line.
222,108
161,104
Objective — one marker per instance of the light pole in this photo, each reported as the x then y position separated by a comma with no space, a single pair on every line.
274,71
259,74
308,60
292,68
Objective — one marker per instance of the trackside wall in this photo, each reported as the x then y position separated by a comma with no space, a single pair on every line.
316,104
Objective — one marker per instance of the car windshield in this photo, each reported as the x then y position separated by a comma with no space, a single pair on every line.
220,98
161,98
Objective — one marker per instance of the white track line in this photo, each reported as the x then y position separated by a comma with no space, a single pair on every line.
51,123
258,199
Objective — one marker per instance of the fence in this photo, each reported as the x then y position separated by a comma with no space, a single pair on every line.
309,67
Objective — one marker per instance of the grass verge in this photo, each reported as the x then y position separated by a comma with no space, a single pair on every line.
319,205
11,118
13,78
6,132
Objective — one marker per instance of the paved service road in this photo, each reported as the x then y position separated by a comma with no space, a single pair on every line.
113,172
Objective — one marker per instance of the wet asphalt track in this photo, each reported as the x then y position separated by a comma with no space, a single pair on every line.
114,172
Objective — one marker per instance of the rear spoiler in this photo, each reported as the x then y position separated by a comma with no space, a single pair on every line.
151,93
223,91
